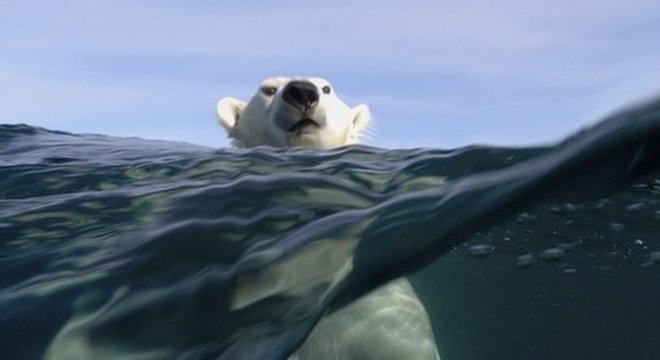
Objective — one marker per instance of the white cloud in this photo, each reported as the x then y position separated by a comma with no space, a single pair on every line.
87,63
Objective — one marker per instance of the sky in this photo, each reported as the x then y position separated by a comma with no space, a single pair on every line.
435,73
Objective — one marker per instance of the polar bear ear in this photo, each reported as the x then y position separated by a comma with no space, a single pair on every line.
229,110
361,119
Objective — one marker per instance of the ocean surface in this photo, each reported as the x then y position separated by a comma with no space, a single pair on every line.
124,248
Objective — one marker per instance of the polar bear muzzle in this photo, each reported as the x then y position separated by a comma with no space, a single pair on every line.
303,96
288,112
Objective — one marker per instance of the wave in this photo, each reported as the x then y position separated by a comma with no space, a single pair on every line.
122,247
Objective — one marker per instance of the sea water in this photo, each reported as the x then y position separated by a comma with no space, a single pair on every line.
138,249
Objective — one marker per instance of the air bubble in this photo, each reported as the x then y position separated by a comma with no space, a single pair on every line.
552,254
654,257
569,246
481,250
556,209
525,261
524,217
563,209
601,204
616,226
636,207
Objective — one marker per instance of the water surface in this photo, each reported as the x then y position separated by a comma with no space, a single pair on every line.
134,249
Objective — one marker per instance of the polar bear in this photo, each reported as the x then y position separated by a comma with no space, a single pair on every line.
293,112
389,323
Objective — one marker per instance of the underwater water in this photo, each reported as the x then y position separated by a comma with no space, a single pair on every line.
123,248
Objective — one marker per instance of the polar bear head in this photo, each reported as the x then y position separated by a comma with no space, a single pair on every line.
293,112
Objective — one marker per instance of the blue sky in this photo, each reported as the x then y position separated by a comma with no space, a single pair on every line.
434,73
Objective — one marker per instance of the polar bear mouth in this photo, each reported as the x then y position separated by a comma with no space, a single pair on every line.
304,124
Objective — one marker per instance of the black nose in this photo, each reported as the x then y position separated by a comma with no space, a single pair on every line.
301,94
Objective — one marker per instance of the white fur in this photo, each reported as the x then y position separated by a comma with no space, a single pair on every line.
390,323
254,123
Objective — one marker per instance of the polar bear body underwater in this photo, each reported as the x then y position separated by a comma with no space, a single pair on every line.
389,323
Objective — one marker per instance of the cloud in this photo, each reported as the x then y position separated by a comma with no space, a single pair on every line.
124,67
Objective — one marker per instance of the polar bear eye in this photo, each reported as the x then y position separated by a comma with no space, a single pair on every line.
326,89
269,90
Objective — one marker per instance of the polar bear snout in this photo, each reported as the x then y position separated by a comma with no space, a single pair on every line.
301,94
299,111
